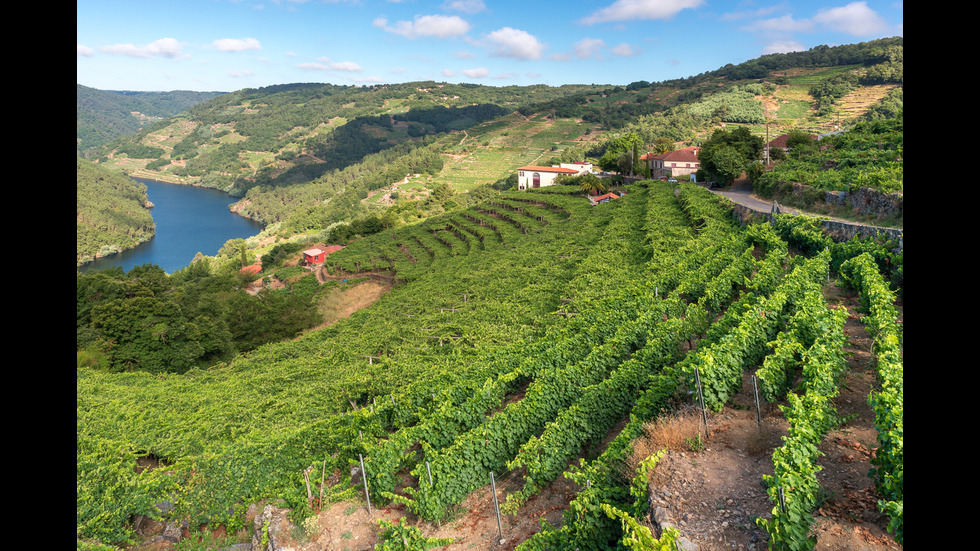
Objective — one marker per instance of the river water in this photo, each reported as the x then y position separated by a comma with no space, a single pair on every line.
188,220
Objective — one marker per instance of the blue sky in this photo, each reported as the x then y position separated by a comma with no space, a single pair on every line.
227,45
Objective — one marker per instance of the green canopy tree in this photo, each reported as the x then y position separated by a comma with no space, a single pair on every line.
727,154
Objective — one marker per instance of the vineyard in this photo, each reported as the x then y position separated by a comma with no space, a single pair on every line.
518,333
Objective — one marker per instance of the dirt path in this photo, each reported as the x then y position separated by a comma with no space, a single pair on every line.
714,495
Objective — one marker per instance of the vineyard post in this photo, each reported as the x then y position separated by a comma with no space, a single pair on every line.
758,407
367,495
704,413
493,487
322,474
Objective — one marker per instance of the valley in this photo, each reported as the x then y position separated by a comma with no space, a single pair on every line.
593,367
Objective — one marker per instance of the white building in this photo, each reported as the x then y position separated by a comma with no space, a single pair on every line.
532,176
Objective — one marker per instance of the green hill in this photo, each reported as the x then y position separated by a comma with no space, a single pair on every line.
112,212
103,115
297,149
526,333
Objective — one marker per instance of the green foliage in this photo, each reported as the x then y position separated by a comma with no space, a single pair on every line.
398,536
579,310
868,155
728,153
738,105
103,115
111,213
148,321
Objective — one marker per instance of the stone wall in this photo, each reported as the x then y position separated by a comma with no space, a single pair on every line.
839,231
869,202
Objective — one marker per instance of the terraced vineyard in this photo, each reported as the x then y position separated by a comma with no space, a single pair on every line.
519,332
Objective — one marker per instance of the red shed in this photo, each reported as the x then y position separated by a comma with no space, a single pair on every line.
317,255
314,256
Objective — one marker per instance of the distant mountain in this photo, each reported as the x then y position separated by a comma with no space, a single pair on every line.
104,115
311,154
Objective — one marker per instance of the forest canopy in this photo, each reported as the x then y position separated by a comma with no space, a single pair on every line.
111,212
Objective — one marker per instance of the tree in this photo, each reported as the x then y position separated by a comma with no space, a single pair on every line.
727,154
662,145
610,160
591,182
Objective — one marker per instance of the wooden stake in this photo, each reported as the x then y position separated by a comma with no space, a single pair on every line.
704,413
493,487
322,475
367,495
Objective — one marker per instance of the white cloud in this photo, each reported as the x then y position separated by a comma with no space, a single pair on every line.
855,19
165,47
626,10
84,50
479,72
625,50
324,64
589,47
783,24
508,42
236,44
448,73
465,6
439,26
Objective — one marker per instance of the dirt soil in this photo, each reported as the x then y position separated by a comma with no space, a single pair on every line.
712,495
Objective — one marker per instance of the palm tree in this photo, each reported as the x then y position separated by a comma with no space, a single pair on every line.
591,182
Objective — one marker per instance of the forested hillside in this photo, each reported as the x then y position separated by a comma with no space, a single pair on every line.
318,152
112,213
103,115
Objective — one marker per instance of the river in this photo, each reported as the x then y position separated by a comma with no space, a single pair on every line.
188,220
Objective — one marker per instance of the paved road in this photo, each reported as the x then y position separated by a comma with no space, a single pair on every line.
741,193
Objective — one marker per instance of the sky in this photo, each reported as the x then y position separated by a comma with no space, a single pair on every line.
228,45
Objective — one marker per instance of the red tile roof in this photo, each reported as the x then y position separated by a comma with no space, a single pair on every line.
685,155
609,195
781,141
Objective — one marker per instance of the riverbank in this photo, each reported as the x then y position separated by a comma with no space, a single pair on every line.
190,220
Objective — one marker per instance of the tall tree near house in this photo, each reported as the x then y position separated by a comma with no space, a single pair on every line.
726,154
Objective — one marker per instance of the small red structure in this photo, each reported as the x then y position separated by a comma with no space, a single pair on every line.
604,198
253,269
316,255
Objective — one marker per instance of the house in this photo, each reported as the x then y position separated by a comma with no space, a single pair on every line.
314,255
317,255
532,176
604,198
672,164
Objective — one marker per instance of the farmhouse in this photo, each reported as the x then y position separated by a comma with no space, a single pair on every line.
317,255
680,162
533,176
